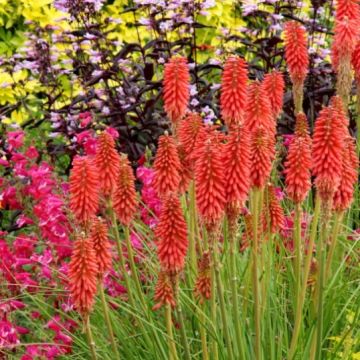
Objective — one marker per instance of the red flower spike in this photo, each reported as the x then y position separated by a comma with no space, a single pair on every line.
328,142
203,282
273,218
210,182
171,234
101,245
233,90
167,166
191,132
260,156
176,88
356,62
124,199
186,171
349,175
273,86
84,189
164,294
83,272
298,162
296,52
347,9
258,109
107,162
236,161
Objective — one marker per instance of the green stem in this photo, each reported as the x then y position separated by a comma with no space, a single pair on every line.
234,293
205,355
90,338
255,253
133,268
107,320
306,271
171,341
297,238
220,293
334,236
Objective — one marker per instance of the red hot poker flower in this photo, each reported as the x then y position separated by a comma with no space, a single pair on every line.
237,166
83,272
210,182
273,218
107,162
298,162
84,189
349,175
260,156
328,142
167,166
101,245
233,90
124,198
171,233
347,9
274,85
258,109
176,88
356,62
164,294
296,53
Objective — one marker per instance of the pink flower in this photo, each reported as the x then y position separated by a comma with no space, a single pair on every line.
113,132
15,139
32,153
85,119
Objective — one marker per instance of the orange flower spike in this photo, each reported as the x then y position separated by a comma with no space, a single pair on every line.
186,171
233,90
296,52
83,274
237,166
101,245
273,217
167,166
191,132
171,234
298,162
260,156
258,109
84,189
164,294
176,88
274,85
210,182
328,142
107,162
349,176
203,281
124,199
347,9
356,62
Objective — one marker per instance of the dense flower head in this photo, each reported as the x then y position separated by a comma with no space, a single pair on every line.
356,62
347,9
328,142
233,90
260,158
83,272
273,218
210,182
191,132
274,85
84,189
167,166
164,294
101,245
171,234
258,109
186,171
203,281
176,88
236,159
349,175
107,162
124,199
296,52
298,162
